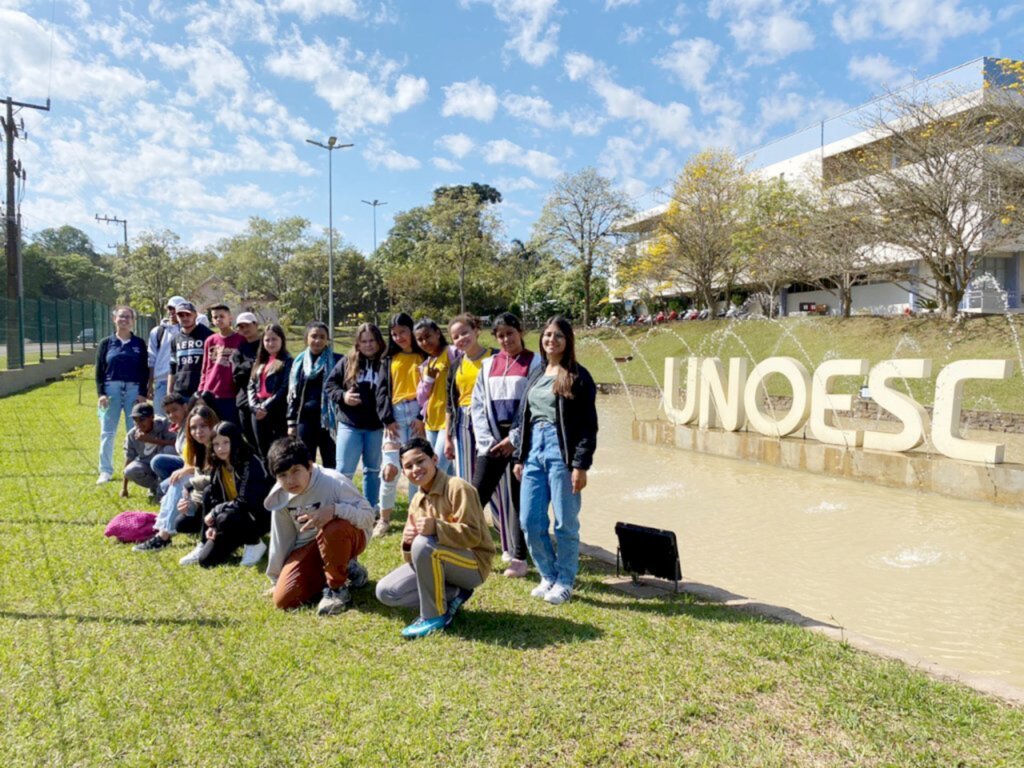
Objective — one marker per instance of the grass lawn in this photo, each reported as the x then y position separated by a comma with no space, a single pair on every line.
813,340
116,658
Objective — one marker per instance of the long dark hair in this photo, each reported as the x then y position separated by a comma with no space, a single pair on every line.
426,324
354,359
239,458
319,325
403,319
509,320
262,356
200,453
567,368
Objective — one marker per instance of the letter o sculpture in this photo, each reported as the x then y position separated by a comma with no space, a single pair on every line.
799,381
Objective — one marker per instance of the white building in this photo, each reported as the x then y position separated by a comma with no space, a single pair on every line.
809,155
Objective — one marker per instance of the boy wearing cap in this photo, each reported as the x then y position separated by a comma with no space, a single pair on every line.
159,354
242,359
216,383
187,352
149,437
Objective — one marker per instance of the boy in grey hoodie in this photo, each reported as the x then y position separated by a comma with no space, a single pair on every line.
319,525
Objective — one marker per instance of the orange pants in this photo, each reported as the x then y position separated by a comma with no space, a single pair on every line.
323,561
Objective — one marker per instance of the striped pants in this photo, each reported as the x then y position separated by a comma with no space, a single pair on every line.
431,579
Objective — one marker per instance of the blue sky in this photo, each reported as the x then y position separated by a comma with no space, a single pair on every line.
193,116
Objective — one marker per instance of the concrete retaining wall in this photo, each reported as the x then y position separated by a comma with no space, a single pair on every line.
48,370
1001,484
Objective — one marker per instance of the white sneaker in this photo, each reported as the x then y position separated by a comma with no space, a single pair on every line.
381,528
192,558
542,589
558,595
105,477
506,557
253,553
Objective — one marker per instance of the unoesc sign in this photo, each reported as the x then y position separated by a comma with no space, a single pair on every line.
715,400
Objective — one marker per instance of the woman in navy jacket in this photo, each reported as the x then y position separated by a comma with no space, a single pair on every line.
122,380
268,389
558,421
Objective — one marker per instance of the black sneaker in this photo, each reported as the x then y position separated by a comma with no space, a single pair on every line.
456,603
358,576
152,545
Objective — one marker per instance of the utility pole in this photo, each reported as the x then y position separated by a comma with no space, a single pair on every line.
331,145
115,220
15,320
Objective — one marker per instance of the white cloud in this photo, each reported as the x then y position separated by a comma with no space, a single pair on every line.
444,164
691,61
772,38
539,111
610,5
211,67
360,98
795,109
378,153
231,19
877,70
471,99
25,56
630,34
506,184
504,152
456,144
667,121
308,10
925,21
533,35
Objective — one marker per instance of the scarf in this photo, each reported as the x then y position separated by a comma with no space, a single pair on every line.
322,365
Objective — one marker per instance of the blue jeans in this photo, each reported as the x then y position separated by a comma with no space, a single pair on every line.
159,393
163,464
123,395
353,443
547,480
167,517
404,414
436,438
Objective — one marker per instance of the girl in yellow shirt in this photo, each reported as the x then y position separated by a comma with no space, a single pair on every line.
432,392
460,445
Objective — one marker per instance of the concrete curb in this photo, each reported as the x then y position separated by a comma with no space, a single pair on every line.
12,382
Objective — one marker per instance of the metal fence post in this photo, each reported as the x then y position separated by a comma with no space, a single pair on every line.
71,326
56,325
42,330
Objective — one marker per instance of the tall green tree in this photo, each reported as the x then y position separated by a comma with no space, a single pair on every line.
579,224
148,274
253,260
462,235
61,263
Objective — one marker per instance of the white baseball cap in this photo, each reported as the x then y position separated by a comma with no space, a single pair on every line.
246,317
174,301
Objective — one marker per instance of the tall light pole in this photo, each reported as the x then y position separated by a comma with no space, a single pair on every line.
375,204
331,145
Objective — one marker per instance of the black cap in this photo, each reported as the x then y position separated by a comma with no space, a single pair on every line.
142,410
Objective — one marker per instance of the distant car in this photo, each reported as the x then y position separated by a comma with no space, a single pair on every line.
87,335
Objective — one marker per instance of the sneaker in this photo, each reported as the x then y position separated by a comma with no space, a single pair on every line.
358,576
253,553
506,557
151,545
334,601
105,477
456,603
192,558
423,627
558,595
516,569
381,528
542,589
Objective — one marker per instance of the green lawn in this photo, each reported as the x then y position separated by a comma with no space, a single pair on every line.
813,340
115,658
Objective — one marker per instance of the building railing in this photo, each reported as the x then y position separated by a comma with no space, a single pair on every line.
42,329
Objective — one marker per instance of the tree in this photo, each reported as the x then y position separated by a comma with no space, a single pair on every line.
579,224
62,263
482,193
462,234
696,249
773,222
148,274
940,183
253,260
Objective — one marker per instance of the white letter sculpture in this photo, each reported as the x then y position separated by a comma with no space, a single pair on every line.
822,401
901,405
714,402
799,381
949,392
688,412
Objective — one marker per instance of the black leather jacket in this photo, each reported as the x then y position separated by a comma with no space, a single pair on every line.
576,417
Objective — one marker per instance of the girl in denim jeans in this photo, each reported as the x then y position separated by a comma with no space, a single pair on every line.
558,418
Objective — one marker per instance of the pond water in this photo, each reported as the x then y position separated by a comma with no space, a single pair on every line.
939,577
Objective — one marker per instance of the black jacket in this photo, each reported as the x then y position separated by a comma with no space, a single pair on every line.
576,417
251,487
277,386
242,360
305,393
375,396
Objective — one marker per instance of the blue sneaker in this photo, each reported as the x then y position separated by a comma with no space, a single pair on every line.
455,604
423,627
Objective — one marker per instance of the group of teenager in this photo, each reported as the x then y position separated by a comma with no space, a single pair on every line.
228,448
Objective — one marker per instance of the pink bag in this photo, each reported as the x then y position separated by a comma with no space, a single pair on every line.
132,527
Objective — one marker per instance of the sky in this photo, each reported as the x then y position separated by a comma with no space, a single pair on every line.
193,116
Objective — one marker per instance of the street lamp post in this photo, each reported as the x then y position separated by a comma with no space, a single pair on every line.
375,204
331,145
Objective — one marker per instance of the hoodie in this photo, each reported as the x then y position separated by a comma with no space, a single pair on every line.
326,486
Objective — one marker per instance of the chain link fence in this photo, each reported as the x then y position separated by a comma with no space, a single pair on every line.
45,329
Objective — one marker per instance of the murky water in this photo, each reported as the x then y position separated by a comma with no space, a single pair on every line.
940,577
